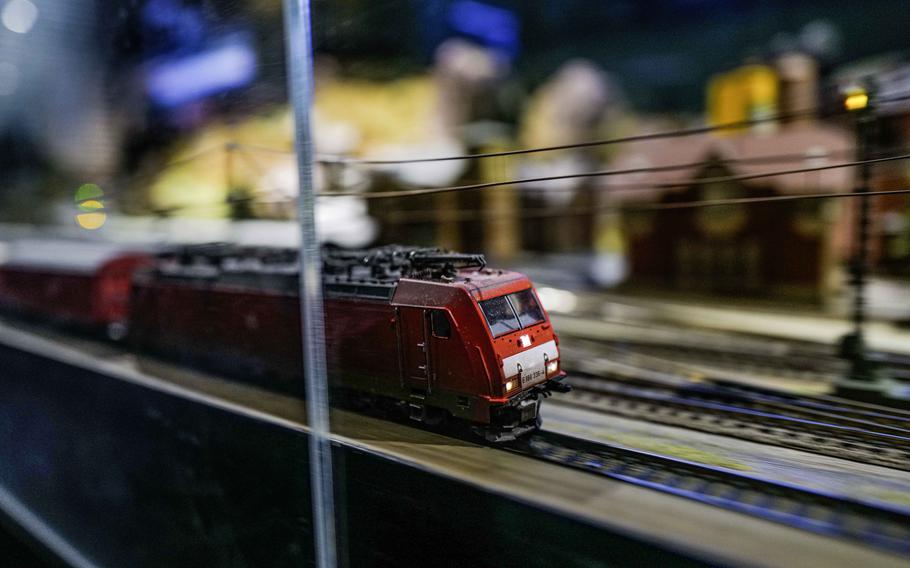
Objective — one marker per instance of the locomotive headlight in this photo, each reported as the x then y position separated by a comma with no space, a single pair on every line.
552,367
509,385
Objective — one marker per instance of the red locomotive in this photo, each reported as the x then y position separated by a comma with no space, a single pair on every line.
433,331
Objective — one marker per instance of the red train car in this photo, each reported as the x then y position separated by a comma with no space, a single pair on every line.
82,283
437,332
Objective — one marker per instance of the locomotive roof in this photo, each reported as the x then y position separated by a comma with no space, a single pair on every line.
370,273
381,265
393,262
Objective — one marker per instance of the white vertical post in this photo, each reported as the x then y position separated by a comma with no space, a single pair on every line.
300,89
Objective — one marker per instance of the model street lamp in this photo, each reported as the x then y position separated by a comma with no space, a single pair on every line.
862,374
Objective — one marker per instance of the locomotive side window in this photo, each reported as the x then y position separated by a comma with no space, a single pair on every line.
440,324
500,315
526,307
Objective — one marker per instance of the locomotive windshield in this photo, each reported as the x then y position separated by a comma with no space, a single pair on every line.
500,315
526,307
511,312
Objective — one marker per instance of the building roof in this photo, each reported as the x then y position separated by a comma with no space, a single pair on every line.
805,146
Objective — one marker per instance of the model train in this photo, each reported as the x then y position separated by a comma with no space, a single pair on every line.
434,332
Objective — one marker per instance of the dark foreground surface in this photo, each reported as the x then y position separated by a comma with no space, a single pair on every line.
19,549
134,476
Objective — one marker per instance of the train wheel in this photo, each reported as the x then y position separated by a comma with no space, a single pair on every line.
429,415
116,331
435,416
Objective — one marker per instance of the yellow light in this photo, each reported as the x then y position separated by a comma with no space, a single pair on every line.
856,100
91,221
552,367
89,201
509,386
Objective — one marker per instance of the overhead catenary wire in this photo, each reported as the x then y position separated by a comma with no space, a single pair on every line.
605,142
758,159
433,215
230,146
688,183
243,150
604,173
683,132
572,146
426,216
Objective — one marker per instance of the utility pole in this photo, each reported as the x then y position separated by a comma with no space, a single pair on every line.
863,374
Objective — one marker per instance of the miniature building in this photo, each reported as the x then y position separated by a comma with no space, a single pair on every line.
769,249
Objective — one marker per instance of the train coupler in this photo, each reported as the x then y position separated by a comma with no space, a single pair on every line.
557,385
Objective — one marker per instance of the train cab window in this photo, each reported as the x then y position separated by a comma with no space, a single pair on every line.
526,307
500,315
440,324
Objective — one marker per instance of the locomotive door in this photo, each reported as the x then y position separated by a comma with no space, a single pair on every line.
412,343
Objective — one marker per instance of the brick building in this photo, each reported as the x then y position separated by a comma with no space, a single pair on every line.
773,249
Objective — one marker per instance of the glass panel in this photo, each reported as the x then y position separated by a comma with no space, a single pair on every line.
527,308
500,315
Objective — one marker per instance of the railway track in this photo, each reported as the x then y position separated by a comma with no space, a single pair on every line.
704,360
796,366
819,405
611,364
824,408
877,525
742,353
845,438
648,378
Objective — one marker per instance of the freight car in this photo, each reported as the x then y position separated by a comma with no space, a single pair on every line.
78,283
436,333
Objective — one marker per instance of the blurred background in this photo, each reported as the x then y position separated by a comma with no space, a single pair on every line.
177,110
